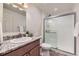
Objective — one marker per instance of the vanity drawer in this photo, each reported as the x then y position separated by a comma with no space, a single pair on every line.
35,51
31,45
17,52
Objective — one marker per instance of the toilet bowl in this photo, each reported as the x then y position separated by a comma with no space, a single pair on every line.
47,47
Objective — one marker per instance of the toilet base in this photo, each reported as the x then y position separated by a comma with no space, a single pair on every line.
45,53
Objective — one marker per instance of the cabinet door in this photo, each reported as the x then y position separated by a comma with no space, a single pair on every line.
17,52
35,51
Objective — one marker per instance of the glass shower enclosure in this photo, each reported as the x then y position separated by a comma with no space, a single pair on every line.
59,32
50,33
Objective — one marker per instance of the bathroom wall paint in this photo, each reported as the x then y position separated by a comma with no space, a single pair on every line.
1,18
34,21
11,20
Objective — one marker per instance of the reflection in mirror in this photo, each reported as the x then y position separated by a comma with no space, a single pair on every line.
14,21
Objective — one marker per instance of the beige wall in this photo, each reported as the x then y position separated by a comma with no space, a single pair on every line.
34,20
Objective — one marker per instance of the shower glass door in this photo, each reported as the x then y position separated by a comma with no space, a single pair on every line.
50,32
59,32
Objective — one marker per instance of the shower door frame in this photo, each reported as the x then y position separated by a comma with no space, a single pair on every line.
72,13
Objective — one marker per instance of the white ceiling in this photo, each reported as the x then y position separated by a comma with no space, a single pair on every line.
49,8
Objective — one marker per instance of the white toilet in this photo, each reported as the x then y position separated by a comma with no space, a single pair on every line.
46,47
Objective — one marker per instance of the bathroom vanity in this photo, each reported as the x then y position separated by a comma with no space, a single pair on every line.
16,40
28,48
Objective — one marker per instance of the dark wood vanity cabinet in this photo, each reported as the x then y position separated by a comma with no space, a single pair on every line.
35,51
30,49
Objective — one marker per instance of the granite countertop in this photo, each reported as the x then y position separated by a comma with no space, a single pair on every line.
11,45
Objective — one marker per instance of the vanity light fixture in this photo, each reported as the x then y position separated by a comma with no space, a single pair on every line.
20,6
14,6
25,6
21,9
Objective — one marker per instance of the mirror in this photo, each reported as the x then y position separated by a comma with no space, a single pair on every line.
14,20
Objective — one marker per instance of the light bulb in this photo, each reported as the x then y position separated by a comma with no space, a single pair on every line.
15,6
25,5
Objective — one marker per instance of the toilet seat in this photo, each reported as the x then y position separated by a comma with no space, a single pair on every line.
46,46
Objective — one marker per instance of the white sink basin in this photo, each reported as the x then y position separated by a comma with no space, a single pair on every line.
21,40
